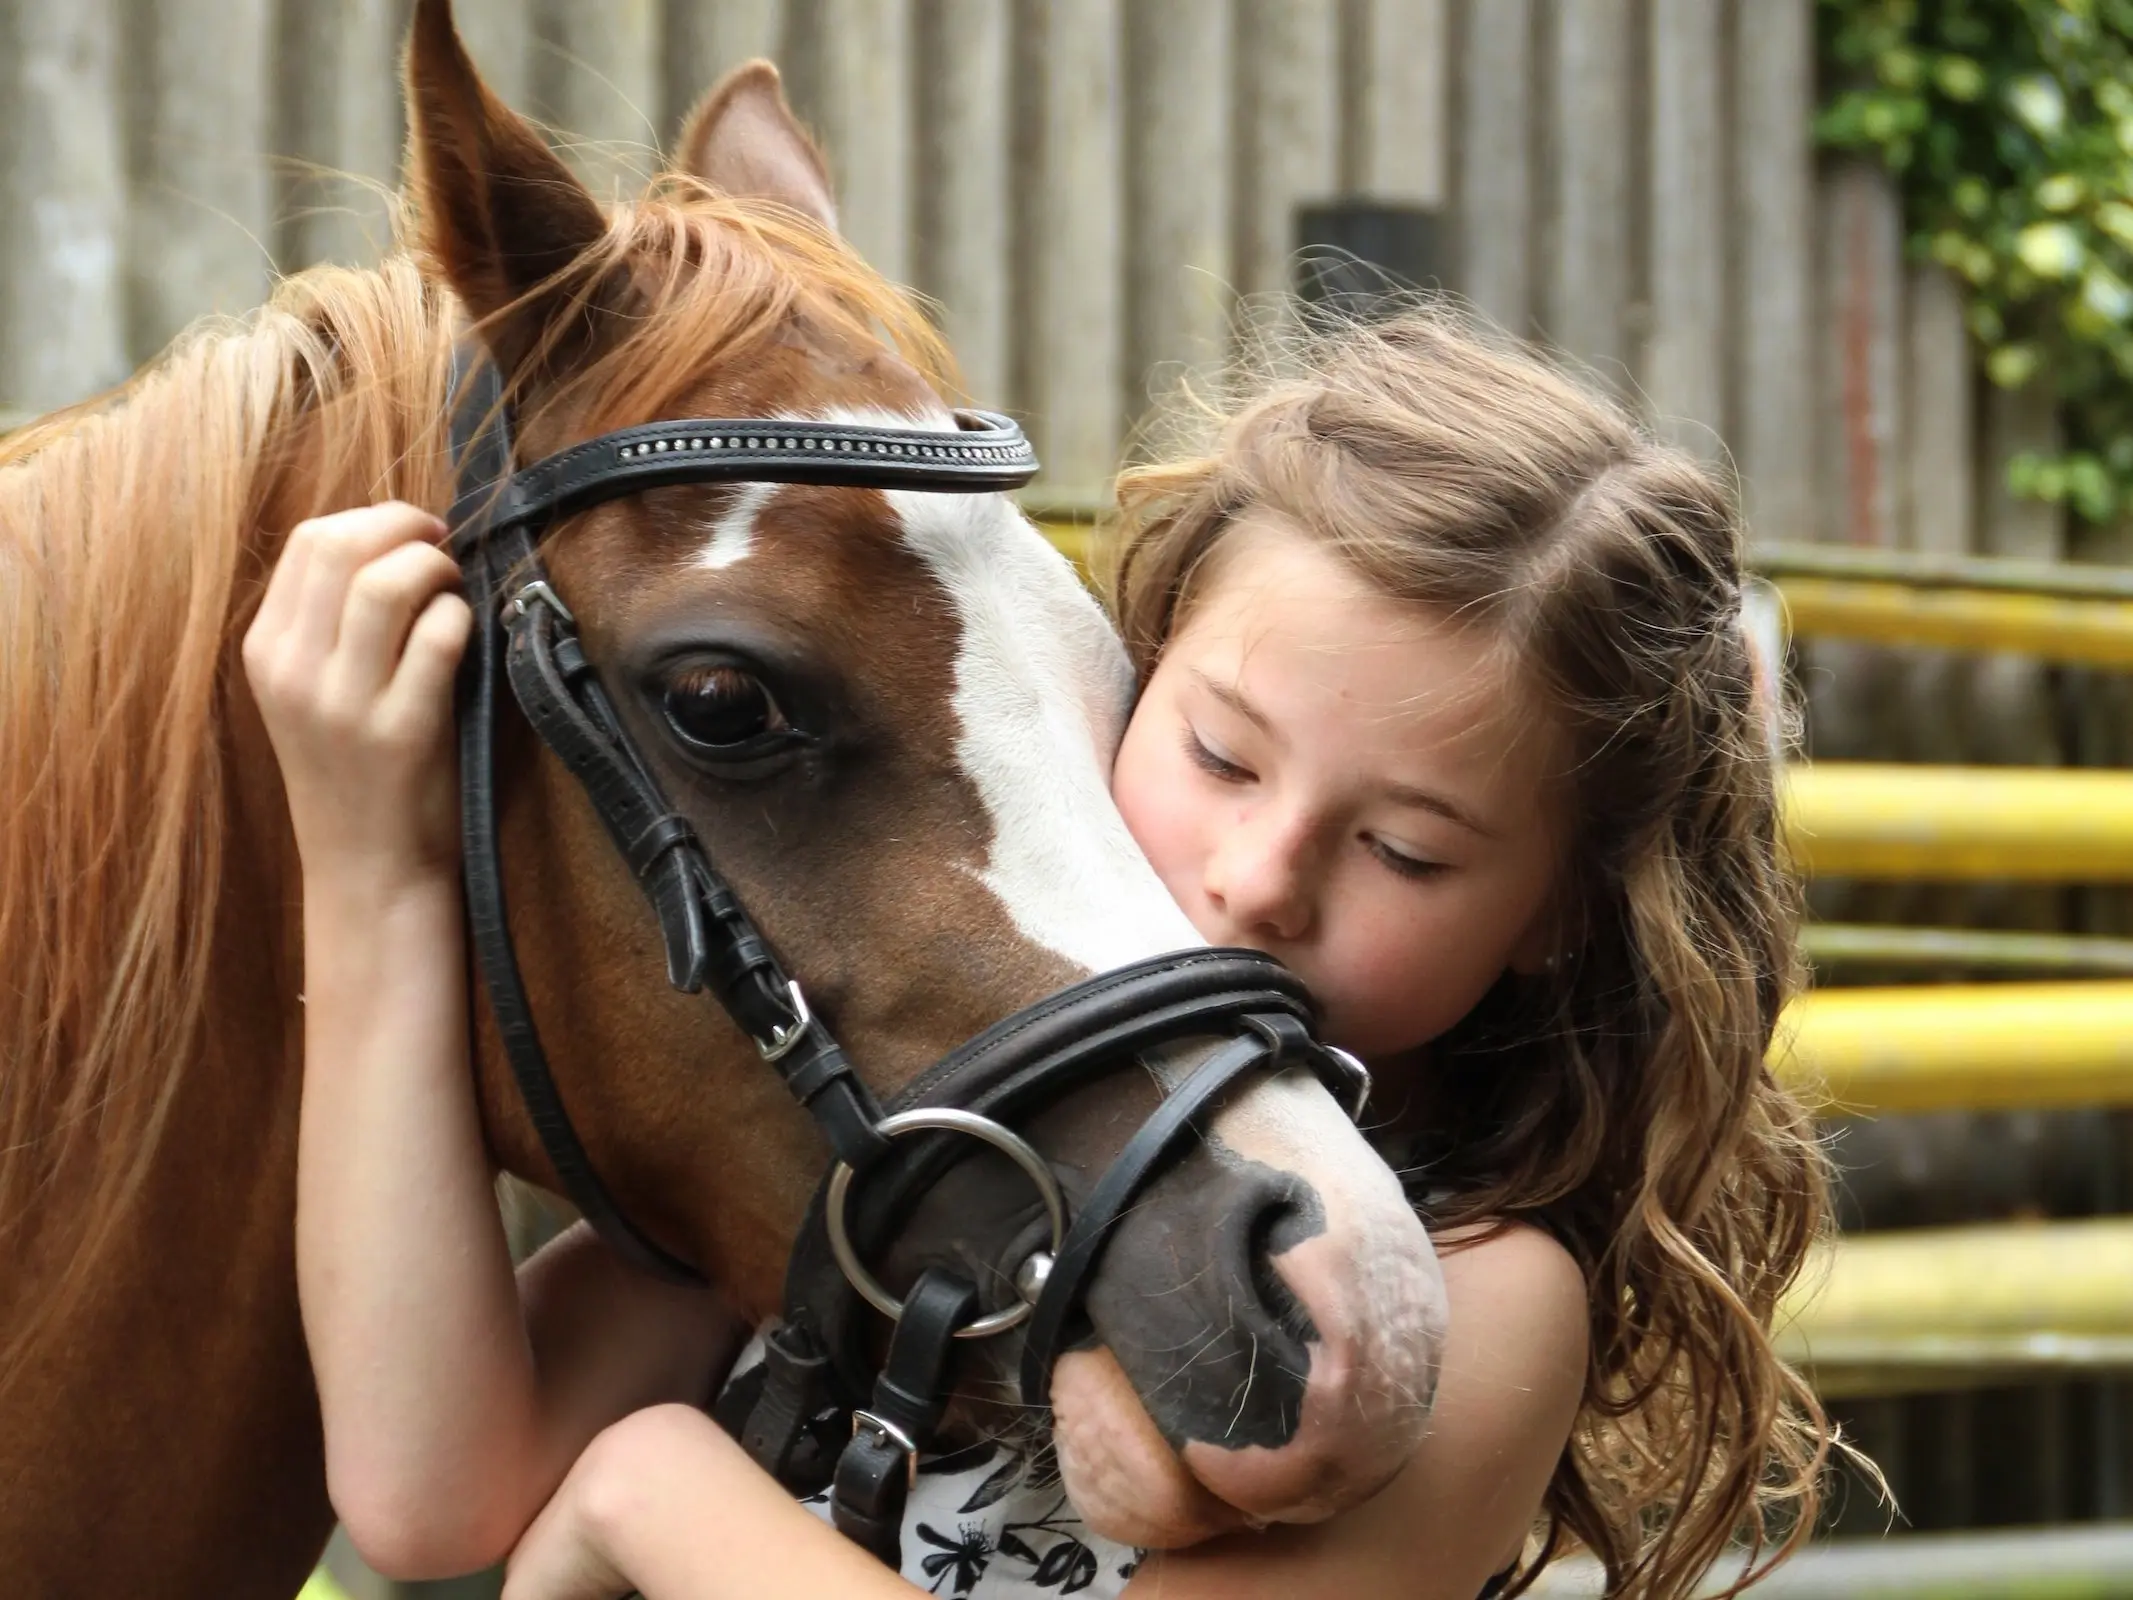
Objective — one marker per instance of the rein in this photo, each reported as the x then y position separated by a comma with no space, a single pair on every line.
818,1414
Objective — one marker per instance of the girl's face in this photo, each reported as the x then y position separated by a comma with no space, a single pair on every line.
1352,784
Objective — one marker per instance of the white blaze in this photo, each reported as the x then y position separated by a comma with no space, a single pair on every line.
733,535
1041,689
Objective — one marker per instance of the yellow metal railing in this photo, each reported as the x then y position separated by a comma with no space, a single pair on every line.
1890,820
1928,1307
2097,633
1961,1046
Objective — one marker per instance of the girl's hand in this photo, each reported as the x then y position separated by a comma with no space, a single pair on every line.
564,1555
351,658
665,1503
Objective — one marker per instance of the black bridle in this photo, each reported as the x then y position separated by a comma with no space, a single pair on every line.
816,1370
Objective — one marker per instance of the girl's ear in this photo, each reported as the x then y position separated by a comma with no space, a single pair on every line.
742,138
1545,944
500,214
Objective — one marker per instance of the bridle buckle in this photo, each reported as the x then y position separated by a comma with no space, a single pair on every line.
783,1041
539,589
887,1433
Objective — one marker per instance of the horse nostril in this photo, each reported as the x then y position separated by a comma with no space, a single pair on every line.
1280,1224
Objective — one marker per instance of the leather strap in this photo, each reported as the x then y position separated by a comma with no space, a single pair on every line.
987,454
780,1418
1013,1069
1271,1041
522,630
481,444
874,1474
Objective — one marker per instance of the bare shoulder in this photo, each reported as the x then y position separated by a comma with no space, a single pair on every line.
1515,1270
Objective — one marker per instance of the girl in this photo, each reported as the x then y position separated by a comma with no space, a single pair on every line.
1447,703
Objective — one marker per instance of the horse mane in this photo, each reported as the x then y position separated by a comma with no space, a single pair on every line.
136,534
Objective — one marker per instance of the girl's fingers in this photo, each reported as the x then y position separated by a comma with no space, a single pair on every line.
421,687
340,546
383,599
286,581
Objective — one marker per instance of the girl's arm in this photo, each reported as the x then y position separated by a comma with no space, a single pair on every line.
665,1503
450,1412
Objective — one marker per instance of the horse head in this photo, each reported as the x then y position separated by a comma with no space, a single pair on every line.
888,714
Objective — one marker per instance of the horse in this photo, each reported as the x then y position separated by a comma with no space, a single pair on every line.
944,855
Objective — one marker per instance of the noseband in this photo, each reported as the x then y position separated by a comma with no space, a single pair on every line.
817,1372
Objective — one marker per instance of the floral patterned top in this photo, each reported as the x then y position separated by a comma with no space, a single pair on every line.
982,1524
978,1526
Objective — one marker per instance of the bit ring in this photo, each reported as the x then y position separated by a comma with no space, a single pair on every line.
944,1120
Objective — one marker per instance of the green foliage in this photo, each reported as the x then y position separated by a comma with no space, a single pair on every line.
2009,126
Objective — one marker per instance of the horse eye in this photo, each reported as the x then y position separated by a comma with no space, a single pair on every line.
719,709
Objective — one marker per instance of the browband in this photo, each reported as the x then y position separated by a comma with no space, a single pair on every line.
987,454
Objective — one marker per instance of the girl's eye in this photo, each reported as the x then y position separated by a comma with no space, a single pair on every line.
722,710
1400,861
1213,762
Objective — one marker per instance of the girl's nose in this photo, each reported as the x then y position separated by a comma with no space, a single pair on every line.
1258,876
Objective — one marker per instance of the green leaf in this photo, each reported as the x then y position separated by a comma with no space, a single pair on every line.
2012,365
2115,218
2040,103
2107,295
2062,191
1881,118
1901,69
2089,488
1959,78
2051,250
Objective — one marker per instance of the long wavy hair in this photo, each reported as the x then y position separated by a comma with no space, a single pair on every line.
1621,1101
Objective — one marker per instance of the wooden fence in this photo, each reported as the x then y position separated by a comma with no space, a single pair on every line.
1085,185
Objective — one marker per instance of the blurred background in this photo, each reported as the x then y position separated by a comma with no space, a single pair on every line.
1876,255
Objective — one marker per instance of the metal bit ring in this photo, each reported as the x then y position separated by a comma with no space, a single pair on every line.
944,1120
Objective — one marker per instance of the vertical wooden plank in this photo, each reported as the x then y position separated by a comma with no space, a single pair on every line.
1861,226
1684,358
852,81
2015,720
63,189
1941,466
499,36
597,81
1070,233
1288,130
706,39
961,227
1939,513
338,127
1588,283
1773,433
1855,693
1496,160
1395,141
201,222
1178,222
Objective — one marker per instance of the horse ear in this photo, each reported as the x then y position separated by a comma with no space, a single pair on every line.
743,138
499,212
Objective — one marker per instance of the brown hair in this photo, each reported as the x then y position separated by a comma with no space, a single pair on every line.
135,536
1622,1101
